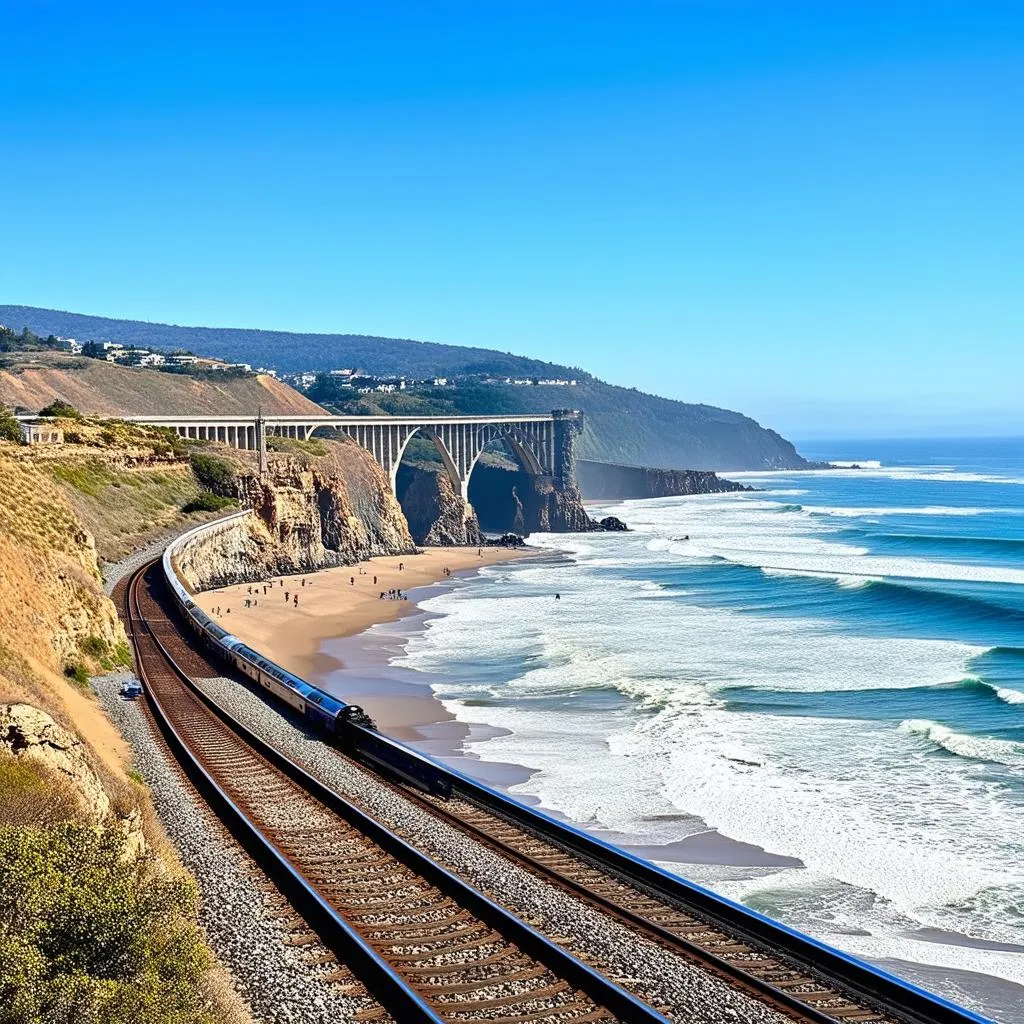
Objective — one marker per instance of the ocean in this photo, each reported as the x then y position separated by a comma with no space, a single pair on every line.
829,668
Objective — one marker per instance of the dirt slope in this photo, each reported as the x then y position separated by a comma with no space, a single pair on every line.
30,381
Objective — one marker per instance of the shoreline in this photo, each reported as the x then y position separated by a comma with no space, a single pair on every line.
342,637
337,602
348,649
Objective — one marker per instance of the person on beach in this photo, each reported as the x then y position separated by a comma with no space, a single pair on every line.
264,590
480,552
295,603
303,580
401,566
286,597
375,581
351,581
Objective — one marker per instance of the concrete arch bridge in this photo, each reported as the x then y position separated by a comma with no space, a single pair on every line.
542,444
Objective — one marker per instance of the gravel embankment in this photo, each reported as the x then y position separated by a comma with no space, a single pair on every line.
244,919
674,985
114,572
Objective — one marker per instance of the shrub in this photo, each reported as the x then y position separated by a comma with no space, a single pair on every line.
9,429
207,501
89,934
62,409
78,674
94,646
217,475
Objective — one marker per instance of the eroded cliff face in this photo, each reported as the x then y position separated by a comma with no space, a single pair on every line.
601,481
437,514
311,511
53,612
508,500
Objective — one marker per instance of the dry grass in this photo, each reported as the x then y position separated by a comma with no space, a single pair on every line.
32,380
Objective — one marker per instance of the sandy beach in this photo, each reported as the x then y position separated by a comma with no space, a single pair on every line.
336,603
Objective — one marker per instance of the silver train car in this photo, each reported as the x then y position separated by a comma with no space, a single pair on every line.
345,724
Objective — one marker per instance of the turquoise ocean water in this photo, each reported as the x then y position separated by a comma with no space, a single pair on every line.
830,667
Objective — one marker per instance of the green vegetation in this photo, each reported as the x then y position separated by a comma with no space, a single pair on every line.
207,501
109,656
77,673
90,478
88,933
62,409
215,474
26,341
314,446
9,429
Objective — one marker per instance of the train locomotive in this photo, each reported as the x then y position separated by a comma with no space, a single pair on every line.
347,725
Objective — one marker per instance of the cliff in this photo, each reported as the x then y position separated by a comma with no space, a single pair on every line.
510,500
603,481
322,503
436,513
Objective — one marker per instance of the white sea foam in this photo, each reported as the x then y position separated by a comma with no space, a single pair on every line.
1004,693
963,745
635,708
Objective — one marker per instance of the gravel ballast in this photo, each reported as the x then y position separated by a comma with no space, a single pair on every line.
245,920
675,986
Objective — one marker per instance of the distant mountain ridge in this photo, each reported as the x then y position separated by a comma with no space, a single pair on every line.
622,425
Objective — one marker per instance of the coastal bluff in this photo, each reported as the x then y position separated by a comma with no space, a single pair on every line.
320,504
606,481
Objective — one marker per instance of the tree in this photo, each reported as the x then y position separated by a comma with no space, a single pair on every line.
94,350
9,429
61,409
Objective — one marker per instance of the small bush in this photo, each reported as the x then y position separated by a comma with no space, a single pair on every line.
72,437
31,796
94,646
9,429
77,673
62,409
217,475
207,501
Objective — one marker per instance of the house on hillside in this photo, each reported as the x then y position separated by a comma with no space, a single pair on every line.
40,432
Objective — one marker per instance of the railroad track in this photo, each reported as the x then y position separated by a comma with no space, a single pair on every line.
426,945
796,986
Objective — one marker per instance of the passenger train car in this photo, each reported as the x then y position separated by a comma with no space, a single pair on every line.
347,724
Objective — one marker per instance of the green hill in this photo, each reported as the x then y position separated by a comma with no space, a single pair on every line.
622,425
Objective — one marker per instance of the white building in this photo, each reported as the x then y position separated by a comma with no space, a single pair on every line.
41,432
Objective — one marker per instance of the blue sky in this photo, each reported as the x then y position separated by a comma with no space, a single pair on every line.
811,212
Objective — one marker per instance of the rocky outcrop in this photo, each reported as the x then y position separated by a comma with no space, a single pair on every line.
310,512
511,500
25,731
437,514
605,481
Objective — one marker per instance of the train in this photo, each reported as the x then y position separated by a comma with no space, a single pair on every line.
346,725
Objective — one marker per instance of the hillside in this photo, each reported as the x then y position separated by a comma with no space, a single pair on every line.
622,425
31,380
